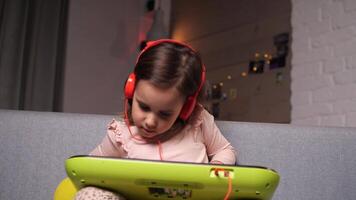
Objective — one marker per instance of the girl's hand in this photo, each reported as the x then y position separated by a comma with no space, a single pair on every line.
216,162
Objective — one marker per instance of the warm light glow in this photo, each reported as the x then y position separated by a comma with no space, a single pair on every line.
229,77
257,55
266,55
243,74
214,86
179,33
221,84
178,36
254,68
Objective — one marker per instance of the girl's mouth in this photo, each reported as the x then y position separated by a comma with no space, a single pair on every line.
148,133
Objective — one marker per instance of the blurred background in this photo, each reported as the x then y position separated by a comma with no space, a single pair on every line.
282,61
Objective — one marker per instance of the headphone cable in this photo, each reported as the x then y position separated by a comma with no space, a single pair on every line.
127,121
160,151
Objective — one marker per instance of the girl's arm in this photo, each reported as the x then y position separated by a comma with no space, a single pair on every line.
219,150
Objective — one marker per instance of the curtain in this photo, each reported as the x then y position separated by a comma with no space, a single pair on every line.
32,44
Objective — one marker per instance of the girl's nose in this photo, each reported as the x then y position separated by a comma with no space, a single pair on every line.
151,121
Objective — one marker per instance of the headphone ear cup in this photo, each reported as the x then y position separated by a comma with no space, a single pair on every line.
188,108
130,86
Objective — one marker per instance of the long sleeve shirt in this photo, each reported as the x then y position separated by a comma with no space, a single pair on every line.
200,141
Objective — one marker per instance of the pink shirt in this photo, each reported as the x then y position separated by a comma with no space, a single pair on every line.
199,141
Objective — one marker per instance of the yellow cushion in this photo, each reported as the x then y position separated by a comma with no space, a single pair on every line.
65,190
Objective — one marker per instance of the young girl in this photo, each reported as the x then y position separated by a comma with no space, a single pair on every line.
163,120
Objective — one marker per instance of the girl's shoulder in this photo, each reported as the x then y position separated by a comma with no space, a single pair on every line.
116,123
117,130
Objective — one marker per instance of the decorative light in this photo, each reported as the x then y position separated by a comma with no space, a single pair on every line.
221,84
229,77
243,74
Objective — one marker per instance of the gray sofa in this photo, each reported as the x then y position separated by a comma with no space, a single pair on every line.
314,162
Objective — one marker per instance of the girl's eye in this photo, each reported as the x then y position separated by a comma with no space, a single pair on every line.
164,115
144,107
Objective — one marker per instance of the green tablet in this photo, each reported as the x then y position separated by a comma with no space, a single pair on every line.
147,179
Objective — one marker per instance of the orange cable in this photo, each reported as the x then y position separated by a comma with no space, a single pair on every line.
226,173
229,188
127,121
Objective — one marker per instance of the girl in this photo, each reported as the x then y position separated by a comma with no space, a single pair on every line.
163,120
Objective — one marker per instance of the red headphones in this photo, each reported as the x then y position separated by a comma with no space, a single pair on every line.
190,103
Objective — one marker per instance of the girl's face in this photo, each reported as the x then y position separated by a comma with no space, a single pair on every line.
154,110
